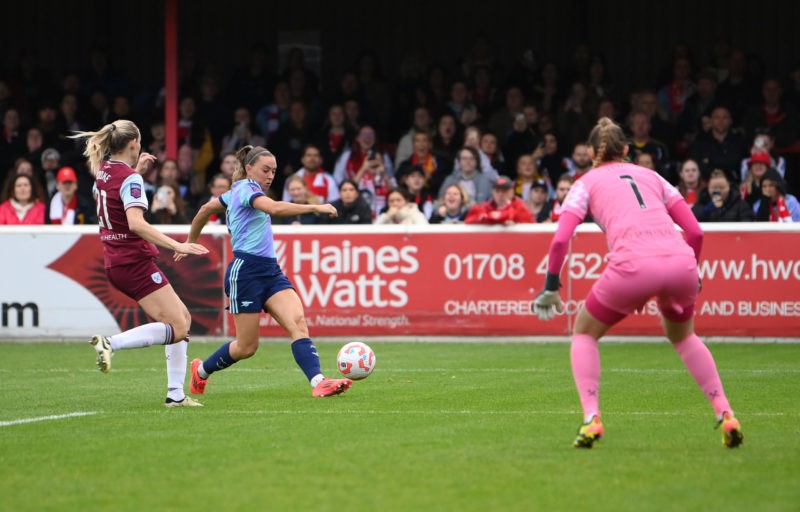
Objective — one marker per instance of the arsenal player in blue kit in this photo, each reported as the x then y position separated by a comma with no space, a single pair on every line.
254,281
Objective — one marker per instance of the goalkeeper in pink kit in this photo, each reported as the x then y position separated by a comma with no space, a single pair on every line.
648,257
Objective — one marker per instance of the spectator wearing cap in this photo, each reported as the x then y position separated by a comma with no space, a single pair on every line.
504,208
539,202
776,205
66,205
764,142
51,160
750,188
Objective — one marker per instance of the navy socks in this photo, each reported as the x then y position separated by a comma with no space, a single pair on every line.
305,353
219,360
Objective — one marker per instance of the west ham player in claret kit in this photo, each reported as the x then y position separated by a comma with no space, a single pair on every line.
129,252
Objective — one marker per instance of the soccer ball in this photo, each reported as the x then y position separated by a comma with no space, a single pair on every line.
356,360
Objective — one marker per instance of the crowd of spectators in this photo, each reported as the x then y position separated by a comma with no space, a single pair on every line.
473,141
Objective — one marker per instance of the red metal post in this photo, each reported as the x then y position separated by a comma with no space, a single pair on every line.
171,76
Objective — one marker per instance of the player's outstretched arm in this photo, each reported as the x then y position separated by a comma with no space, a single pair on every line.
138,224
285,209
198,223
200,219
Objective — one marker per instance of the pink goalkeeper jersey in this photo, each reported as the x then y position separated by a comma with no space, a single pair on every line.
630,204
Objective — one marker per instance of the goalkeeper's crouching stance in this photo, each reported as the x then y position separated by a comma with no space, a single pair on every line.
648,257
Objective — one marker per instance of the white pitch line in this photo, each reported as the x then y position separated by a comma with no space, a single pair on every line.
45,418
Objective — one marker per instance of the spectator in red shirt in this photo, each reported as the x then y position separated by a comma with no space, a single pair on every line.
690,183
22,201
504,208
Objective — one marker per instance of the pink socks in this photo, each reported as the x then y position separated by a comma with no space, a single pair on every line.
700,362
585,357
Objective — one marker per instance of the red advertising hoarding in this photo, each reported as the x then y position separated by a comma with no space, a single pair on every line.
398,281
480,282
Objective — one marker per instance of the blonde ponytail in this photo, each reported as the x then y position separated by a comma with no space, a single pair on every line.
108,140
608,141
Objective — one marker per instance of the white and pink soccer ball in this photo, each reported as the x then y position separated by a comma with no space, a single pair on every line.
356,360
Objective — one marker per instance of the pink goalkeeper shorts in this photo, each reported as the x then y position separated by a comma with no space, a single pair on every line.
627,286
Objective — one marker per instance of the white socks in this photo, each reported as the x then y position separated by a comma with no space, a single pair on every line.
142,336
176,369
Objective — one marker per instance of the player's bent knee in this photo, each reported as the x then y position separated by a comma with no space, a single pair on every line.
180,329
246,350
297,331
297,318
180,335
300,323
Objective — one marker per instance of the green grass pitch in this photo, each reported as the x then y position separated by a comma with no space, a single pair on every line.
437,426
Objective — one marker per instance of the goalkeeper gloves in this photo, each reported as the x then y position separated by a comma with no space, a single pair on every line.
548,301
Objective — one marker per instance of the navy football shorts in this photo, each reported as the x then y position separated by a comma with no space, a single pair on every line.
250,280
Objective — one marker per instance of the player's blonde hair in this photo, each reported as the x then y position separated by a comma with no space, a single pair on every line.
608,142
247,155
111,138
